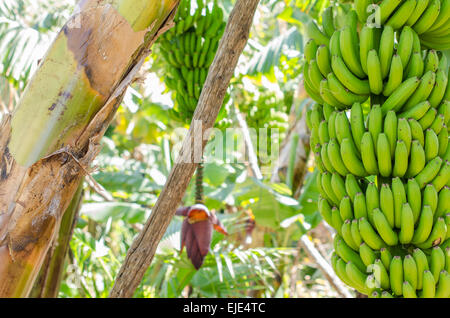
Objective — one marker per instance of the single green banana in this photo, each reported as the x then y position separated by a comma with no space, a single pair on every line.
324,137
404,133
374,72
400,95
366,43
381,274
416,112
352,187
328,97
341,272
437,263
410,271
427,120
384,229
327,111
428,285
430,197
395,75
323,60
314,74
400,160
424,226
415,66
386,257
350,52
386,50
405,45
372,200
384,155
361,9
342,94
399,194
438,124
423,91
335,48
443,288
313,31
431,144
326,185
387,204
357,277
367,254
354,231
331,125
359,205
407,225
443,203
357,124
368,154
347,235
352,162
396,275
345,209
375,123
324,156
414,197
437,236
334,155
422,265
325,210
442,177
390,129
439,89
328,21
342,126
408,290
369,235
336,220
429,172
431,61
346,77
416,132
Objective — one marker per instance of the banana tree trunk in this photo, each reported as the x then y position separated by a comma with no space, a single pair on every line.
49,142
49,279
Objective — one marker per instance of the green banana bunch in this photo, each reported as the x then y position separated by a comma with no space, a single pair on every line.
189,49
405,144
380,135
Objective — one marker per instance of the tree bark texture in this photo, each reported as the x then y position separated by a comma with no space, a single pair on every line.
142,251
49,142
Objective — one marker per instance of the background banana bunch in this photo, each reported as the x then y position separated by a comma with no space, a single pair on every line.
379,132
189,49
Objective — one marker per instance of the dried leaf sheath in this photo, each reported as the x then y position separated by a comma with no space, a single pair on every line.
51,139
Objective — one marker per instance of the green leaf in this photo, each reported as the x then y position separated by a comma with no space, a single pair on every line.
128,212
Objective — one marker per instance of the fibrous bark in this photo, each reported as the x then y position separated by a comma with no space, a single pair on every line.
143,249
48,144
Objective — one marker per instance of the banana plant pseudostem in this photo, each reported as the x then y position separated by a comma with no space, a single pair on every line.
49,142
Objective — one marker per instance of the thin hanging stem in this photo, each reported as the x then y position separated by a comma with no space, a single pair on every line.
199,184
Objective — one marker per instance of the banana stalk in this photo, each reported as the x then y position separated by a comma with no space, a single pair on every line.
49,142
49,278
